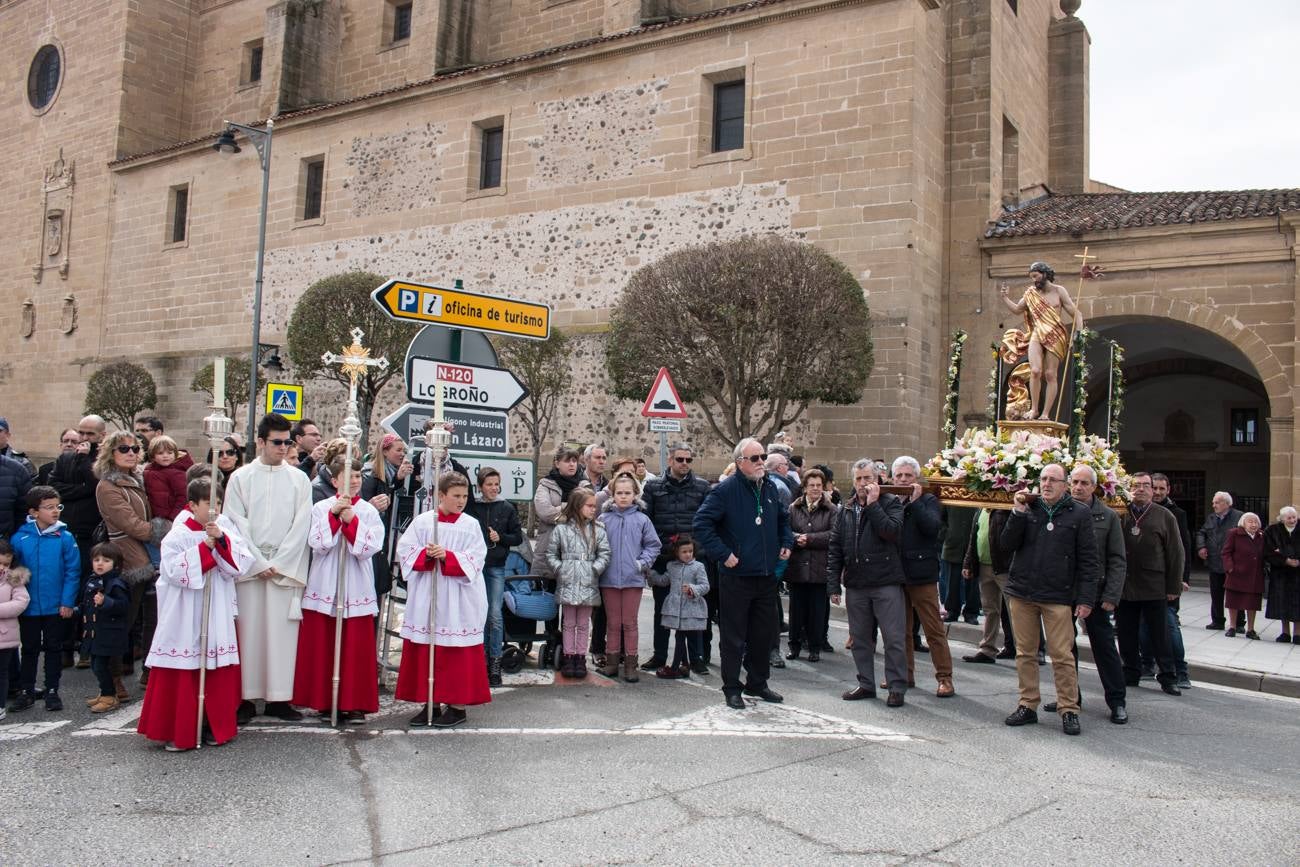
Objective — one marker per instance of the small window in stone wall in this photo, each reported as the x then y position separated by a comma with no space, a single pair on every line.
401,27
251,69
1245,426
178,214
490,158
729,116
313,188
44,76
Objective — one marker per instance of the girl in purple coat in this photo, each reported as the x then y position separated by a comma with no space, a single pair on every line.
634,545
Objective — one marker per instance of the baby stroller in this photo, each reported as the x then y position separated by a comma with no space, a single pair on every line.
530,615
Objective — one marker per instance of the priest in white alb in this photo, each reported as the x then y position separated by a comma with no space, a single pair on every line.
344,527
456,557
198,550
270,503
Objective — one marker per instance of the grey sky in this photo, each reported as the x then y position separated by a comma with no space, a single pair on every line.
1194,94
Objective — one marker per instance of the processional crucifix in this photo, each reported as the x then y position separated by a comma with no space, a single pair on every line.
354,361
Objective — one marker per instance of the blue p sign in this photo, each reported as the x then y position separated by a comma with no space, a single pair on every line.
408,301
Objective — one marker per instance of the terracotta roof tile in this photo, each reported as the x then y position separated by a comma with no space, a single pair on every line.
1096,212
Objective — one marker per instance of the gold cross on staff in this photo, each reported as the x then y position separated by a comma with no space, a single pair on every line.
355,358
1084,256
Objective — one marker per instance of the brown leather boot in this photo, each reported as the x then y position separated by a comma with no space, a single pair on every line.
105,704
610,668
630,669
122,694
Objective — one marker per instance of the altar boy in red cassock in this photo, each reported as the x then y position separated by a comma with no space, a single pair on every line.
348,527
199,549
459,670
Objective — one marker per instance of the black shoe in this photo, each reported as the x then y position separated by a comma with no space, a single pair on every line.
654,663
895,700
981,658
1022,716
1148,672
1283,639
353,717
1253,635
1230,632
1118,715
23,701
826,647
1006,653
1070,723
700,668
282,710
794,652
494,671
814,655
52,700
858,693
973,621
421,719
1170,689
735,702
1049,707
766,694
1214,627
919,647
209,739
244,715
774,659
450,716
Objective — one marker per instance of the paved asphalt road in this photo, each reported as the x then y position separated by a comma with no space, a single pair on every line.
662,772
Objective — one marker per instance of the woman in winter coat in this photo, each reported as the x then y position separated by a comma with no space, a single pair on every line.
13,602
1282,553
1243,564
124,506
811,518
578,551
633,546
552,493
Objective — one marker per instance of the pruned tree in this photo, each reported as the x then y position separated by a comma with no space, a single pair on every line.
543,367
753,330
322,322
237,373
119,392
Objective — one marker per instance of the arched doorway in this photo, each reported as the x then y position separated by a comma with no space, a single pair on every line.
1195,409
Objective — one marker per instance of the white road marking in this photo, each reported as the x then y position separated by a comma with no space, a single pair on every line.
23,731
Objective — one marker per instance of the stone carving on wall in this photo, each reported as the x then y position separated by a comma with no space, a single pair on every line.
28,323
56,219
68,318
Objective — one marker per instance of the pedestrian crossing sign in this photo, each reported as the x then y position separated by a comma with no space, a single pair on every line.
284,399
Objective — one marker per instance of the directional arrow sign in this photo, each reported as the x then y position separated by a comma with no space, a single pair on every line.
421,302
486,432
464,384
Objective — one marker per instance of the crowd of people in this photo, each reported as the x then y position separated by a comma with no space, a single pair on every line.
107,552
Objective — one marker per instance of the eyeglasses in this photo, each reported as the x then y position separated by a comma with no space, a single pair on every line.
57,507
755,459
683,460
122,450
228,453
280,443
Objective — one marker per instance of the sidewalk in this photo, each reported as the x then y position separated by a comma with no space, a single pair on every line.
1263,665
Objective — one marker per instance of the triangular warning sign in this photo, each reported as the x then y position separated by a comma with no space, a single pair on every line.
663,401
284,403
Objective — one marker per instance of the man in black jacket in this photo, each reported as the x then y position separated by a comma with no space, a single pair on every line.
863,557
671,502
1054,576
1155,578
920,549
1161,487
1209,547
74,478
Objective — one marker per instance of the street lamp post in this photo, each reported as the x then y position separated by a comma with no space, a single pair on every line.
261,139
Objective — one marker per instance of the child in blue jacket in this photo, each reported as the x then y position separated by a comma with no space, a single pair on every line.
105,604
45,547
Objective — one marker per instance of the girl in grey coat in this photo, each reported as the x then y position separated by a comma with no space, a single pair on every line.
685,609
578,552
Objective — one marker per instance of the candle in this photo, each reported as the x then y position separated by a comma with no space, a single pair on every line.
437,400
219,382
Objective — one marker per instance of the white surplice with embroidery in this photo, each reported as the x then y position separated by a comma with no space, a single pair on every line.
271,507
180,598
462,602
328,545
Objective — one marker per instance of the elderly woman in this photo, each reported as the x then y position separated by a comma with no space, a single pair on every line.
1282,553
811,519
552,493
1243,566
124,506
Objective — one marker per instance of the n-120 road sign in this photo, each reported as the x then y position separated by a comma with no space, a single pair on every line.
482,432
518,478
421,302
463,384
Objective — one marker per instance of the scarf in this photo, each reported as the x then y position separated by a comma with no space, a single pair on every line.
565,483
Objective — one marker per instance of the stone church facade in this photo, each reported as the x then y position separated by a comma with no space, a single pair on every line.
546,149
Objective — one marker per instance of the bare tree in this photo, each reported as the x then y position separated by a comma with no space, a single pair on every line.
121,391
753,331
322,322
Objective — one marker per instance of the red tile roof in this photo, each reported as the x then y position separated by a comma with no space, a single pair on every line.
1096,212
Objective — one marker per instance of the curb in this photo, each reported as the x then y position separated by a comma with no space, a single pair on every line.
1237,678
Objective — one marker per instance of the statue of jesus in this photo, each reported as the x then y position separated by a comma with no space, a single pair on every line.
1045,338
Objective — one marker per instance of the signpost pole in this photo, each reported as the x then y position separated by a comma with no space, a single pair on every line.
663,453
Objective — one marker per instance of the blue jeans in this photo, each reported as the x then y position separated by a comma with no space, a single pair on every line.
1175,641
495,579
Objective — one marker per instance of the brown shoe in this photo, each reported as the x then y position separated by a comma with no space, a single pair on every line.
105,704
911,684
610,668
122,694
945,689
630,669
